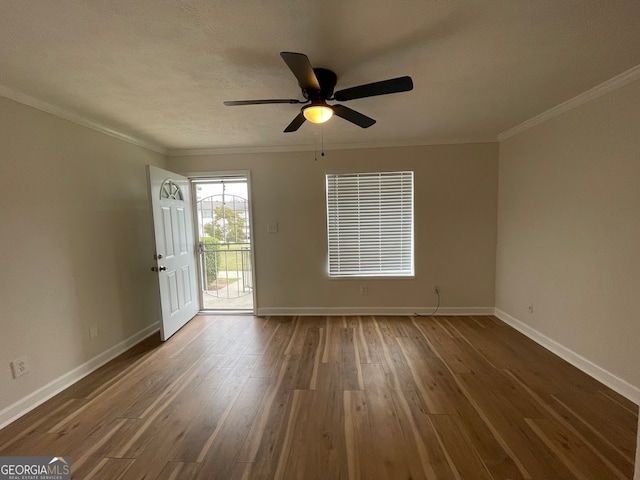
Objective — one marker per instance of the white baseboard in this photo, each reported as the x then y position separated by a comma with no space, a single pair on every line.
387,311
621,386
41,395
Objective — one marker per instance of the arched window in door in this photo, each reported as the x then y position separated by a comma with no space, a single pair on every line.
171,190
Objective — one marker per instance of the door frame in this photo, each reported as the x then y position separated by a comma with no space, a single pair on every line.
194,177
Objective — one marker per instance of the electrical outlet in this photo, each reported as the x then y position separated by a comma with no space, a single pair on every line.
531,308
364,290
20,366
93,331
436,290
272,227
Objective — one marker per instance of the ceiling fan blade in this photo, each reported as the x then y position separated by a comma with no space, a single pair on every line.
301,67
295,124
394,85
235,103
353,116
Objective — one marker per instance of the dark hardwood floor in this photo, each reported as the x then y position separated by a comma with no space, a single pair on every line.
240,397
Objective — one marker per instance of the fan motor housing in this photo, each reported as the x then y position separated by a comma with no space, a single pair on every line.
327,80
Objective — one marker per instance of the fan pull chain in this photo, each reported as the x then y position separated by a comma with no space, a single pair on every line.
315,144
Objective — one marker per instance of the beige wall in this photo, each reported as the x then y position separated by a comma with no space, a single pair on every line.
75,237
455,226
569,230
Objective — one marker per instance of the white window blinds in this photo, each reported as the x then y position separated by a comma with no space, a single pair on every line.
370,224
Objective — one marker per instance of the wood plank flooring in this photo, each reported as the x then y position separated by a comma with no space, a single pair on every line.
240,397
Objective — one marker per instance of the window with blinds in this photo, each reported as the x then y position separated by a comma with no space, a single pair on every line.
370,224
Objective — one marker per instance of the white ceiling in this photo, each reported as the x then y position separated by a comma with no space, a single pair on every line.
159,70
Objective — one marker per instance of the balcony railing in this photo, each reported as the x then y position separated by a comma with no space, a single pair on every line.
226,270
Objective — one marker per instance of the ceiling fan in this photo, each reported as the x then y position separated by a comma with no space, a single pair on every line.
317,86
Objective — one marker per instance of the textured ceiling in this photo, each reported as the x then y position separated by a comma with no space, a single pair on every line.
159,70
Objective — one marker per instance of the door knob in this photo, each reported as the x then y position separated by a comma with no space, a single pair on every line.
160,269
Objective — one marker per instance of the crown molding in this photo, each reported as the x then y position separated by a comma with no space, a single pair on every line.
60,112
75,118
189,152
610,85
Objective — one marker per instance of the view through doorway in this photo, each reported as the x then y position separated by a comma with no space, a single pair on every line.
225,252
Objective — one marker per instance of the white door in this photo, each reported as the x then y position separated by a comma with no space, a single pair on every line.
175,256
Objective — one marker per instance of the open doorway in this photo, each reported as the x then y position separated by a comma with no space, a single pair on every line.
225,252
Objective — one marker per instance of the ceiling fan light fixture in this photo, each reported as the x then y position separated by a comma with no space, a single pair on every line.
317,85
317,113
